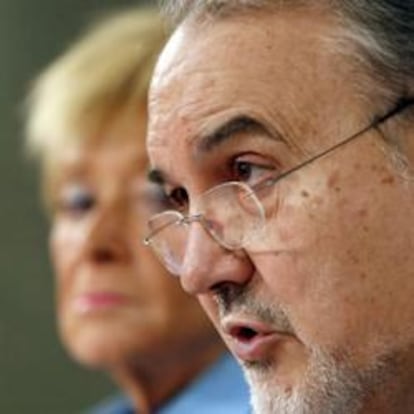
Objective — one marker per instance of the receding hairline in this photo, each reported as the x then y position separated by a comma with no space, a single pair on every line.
383,78
204,10
374,40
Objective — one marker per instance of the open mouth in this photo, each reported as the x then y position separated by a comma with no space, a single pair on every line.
243,333
250,340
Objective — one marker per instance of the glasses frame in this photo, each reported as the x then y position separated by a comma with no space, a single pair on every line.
401,105
183,219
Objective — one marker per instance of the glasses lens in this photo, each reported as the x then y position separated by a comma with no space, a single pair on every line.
232,214
169,236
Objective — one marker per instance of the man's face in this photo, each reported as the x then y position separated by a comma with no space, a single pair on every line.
320,315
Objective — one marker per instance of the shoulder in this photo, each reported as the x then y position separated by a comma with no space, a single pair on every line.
220,389
116,404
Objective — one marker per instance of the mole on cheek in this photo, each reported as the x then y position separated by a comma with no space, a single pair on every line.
388,180
362,212
353,257
333,179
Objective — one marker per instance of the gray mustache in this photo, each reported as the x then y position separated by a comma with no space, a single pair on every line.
232,298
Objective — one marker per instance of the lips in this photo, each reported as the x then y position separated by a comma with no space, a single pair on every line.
97,301
250,340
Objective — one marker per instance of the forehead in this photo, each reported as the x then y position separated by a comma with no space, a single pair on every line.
258,64
117,145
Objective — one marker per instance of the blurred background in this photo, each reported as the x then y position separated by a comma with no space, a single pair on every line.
35,375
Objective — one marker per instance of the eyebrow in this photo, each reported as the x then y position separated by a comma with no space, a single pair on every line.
240,124
230,129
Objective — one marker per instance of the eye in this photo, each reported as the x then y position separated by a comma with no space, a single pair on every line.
251,172
178,198
76,199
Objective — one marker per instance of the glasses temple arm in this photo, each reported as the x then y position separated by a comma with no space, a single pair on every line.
401,104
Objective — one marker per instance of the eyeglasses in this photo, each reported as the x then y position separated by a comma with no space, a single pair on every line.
231,213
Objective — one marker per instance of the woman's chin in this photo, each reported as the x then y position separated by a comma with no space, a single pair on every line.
97,348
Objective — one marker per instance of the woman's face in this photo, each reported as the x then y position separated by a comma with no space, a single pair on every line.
115,303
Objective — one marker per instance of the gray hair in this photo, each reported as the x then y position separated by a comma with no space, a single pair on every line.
377,37
382,31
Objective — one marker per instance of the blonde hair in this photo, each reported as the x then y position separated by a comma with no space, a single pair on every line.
107,69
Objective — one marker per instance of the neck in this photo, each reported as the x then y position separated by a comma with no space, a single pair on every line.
149,384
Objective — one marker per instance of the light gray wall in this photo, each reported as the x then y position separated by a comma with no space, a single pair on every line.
35,375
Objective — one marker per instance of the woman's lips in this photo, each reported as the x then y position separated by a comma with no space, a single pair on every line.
249,340
95,301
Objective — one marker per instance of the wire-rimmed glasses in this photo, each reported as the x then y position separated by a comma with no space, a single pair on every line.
232,213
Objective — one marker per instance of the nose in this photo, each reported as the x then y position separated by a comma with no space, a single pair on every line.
107,239
207,265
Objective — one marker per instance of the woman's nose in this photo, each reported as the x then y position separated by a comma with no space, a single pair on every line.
108,235
206,264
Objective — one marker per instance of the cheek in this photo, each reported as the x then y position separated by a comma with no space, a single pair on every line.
336,248
66,242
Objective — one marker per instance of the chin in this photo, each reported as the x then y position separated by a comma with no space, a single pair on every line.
94,352
328,386
96,345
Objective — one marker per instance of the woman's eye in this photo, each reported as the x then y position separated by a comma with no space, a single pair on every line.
76,199
251,173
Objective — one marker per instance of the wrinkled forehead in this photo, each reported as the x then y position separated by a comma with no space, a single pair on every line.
257,64
249,44
233,41
252,46
214,45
